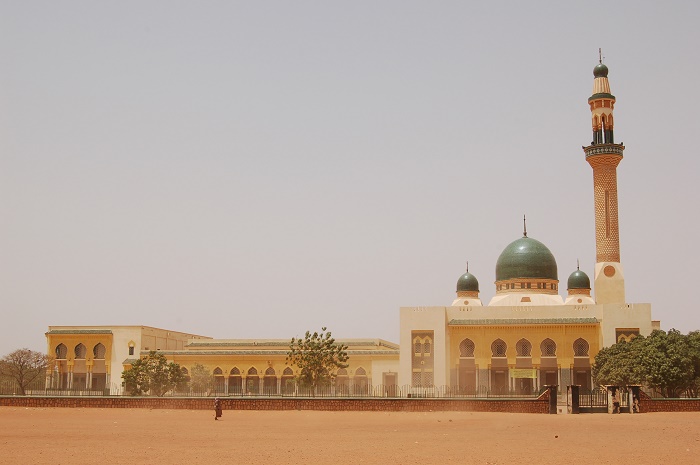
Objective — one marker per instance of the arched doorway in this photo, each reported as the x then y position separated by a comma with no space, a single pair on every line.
523,373
549,369
467,367
499,367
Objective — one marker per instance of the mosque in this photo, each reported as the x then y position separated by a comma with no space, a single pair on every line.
526,337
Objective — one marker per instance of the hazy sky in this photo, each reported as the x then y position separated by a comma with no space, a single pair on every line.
257,169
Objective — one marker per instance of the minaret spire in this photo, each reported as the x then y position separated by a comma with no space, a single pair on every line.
604,155
524,227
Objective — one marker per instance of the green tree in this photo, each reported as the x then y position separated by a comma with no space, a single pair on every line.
318,357
25,366
694,343
619,364
668,363
200,378
153,374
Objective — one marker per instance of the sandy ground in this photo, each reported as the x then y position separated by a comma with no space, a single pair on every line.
121,436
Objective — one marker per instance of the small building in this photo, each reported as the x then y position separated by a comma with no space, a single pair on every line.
93,357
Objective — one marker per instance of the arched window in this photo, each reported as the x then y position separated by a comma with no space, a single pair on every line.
287,381
185,371
218,371
523,348
580,348
418,347
235,381
270,381
61,351
360,383
466,348
341,372
426,345
498,348
252,381
99,351
80,351
549,348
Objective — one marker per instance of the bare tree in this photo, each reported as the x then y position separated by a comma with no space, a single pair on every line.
24,366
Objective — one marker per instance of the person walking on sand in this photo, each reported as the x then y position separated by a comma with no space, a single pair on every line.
217,408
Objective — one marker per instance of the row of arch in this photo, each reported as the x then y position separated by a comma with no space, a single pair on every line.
523,348
251,381
80,351
252,371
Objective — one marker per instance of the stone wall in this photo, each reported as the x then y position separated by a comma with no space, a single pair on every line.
347,404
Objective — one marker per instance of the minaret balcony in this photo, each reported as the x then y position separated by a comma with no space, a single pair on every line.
604,149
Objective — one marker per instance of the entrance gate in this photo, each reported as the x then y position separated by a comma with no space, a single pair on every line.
596,400
593,401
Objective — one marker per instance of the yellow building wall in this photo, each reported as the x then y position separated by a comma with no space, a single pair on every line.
562,335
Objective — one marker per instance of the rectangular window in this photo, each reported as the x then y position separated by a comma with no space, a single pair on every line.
607,214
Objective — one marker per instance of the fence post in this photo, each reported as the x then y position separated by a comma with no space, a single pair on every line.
572,396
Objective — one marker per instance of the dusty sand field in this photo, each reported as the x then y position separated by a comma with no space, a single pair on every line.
121,436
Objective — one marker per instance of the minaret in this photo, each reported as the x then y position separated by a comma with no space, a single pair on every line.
604,155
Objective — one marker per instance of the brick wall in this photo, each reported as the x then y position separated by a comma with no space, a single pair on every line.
377,405
647,404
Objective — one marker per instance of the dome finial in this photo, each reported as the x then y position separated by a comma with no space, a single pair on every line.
600,56
467,266
577,265
524,227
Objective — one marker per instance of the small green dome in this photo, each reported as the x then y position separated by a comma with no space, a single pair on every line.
526,258
578,280
600,70
467,282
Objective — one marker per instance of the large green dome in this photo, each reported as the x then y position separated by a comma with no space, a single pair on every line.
467,282
578,280
526,258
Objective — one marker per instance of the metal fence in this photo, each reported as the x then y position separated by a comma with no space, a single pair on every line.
38,388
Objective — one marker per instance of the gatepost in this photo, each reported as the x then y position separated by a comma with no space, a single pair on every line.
552,399
614,396
572,401
634,399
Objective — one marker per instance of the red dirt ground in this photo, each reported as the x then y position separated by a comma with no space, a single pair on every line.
125,436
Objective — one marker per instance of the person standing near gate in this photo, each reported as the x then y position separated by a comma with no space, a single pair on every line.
616,402
217,408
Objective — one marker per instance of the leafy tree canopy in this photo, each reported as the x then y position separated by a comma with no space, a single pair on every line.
153,374
24,366
667,362
318,357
